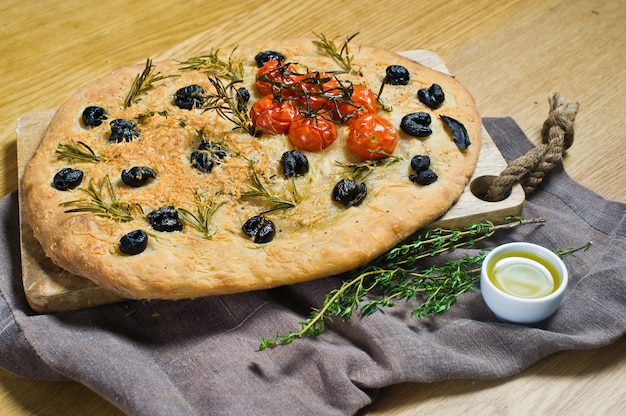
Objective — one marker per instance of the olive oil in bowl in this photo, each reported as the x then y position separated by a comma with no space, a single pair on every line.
523,282
523,274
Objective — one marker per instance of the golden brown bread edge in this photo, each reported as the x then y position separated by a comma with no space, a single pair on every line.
205,268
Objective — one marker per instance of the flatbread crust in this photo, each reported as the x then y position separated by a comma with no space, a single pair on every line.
315,239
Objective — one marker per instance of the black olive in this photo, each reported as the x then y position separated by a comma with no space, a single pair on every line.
424,177
432,97
207,156
265,233
459,133
348,193
416,124
213,148
420,117
420,162
243,96
397,75
134,242
294,163
137,176
262,58
262,229
189,97
123,130
165,219
202,161
94,116
67,178
251,226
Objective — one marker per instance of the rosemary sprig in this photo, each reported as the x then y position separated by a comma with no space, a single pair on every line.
225,103
76,151
201,220
392,277
105,205
215,66
143,82
257,189
143,117
360,171
384,105
339,53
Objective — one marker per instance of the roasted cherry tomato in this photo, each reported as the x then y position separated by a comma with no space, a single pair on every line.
272,117
371,137
317,89
312,133
272,75
362,101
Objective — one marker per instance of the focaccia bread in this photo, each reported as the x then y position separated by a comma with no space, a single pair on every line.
231,171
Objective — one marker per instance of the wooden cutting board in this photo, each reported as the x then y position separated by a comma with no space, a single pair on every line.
49,288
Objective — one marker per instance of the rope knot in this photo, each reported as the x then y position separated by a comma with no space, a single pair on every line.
562,115
557,135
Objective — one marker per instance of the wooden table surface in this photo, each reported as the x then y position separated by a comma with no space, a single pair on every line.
510,54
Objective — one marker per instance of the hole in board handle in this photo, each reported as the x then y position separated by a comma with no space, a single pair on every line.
480,187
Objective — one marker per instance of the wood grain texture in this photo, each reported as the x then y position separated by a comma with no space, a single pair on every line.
510,54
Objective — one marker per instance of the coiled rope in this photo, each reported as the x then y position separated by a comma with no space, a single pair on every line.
557,136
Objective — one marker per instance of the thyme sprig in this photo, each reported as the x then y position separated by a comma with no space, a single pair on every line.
257,189
561,252
392,277
104,203
215,66
227,106
441,284
339,53
143,82
76,151
201,219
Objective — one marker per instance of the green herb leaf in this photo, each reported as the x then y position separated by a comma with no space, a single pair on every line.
214,66
360,171
257,189
339,53
201,219
225,103
393,277
104,203
76,151
143,82
573,250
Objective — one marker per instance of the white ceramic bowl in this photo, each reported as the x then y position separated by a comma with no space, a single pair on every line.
523,262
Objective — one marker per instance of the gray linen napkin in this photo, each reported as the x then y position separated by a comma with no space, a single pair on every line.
200,356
